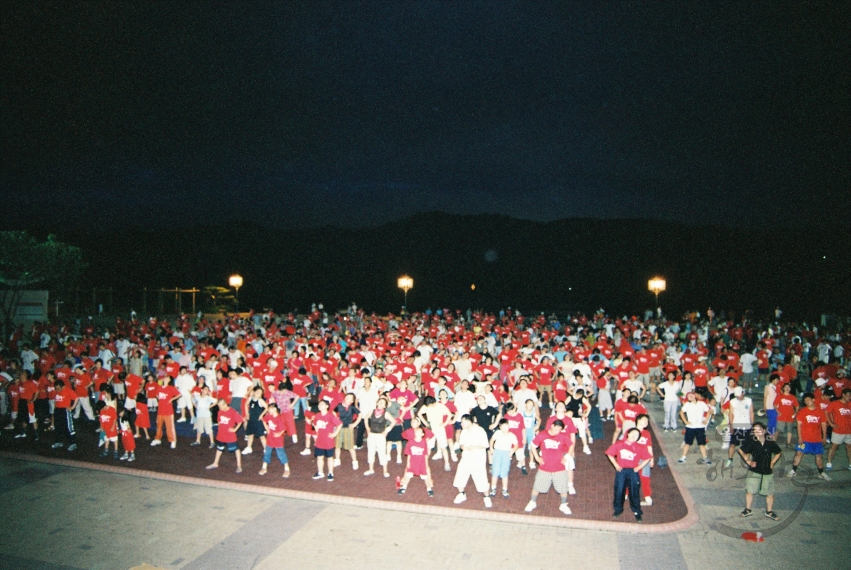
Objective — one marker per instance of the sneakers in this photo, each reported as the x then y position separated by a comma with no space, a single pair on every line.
792,473
828,467
57,445
247,451
262,471
505,494
447,467
460,498
305,451
488,502
369,472
72,447
728,463
571,490
638,518
524,471
173,445
330,477
210,467
725,446
431,492
104,453
115,455
132,458
772,515
565,509
824,476
648,501
492,493
586,450
681,460
355,465
532,466
401,491
337,463
181,420
398,459
195,444
155,442
295,439
530,506
707,462
318,476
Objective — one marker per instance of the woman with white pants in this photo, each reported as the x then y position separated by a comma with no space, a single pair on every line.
669,391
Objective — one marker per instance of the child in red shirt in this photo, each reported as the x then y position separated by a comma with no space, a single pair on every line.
125,422
417,452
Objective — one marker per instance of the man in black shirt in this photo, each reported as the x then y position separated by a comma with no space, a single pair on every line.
486,416
760,455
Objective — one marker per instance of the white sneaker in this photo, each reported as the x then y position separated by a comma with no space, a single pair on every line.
824,476
155,442
369,472
247,451
571,490
399,460
355,465
336,463
488,502
532,466
792,473
565,509
648,501
586,450
725,446
828,466
590,440
173,444
460,498
530,506
305,452
295,439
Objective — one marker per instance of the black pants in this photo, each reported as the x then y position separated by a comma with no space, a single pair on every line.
627,479
63,424
22,422
359,434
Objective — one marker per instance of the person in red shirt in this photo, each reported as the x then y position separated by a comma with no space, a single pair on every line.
812,430
416,451
551,449
327,426
108,419
276,429
839,418
27,393
641,423
82,383
128,442
628,458
143,417
229,423
786,405
63,420
166,395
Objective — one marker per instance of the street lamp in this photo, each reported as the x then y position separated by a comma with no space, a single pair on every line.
657,285
235,281
405,283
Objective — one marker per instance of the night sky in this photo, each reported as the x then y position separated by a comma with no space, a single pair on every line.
352,114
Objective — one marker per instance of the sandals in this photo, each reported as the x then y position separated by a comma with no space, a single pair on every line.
772,515
747,513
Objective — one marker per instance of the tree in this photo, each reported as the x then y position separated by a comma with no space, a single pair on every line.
218,299
25,261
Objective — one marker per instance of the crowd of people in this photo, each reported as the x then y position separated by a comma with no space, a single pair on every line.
504,393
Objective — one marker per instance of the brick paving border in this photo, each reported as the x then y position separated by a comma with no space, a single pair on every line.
684,523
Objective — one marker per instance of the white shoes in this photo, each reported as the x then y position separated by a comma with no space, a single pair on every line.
173,445
247,451
648,501
565,509
355,465
336,463
586,450
460,498
369,472
155,442
488,502
295,439
305,452
530,506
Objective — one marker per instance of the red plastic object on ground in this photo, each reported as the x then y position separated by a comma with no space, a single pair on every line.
753,536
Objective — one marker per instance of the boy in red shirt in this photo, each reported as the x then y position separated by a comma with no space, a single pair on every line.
628,458
812,430
417,452
229,423
63,420
276,428
839,418
108,418
551,449
166,394
327,426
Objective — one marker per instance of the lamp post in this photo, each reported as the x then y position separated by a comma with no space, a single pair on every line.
405,283
657,285
235,281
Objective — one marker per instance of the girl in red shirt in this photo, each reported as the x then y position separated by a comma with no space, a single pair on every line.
416,451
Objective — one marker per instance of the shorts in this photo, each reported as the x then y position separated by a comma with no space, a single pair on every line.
204,425
738,436
840,438
345,439
395,434
544,480
255,428
118,389
319,452
230,446
809,448
692,433
184,402
112,439
759,484
501,463
785,427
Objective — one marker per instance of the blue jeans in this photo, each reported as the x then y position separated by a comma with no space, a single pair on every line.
771,416
282,455
301,403
627,479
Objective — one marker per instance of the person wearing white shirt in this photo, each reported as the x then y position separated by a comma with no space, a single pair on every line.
669,390
474,461
747,360
740,417
695,414
523,393
28,358
184,384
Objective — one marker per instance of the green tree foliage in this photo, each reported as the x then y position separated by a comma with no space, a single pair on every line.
218,299
26,262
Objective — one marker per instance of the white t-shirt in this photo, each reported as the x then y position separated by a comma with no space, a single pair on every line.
239,386
367,399
504,441
740,412
464,402
747,361
474,436
670,391
520,396
202,406
695,413
718,384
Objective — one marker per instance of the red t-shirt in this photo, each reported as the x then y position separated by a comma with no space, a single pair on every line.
108,421
418,452
552,449
227,420
516,426
65,398
405,398
785,405
164,397
841,414
628,455
325,424
811,421
275,425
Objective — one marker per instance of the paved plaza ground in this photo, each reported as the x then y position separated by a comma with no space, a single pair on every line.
59,516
